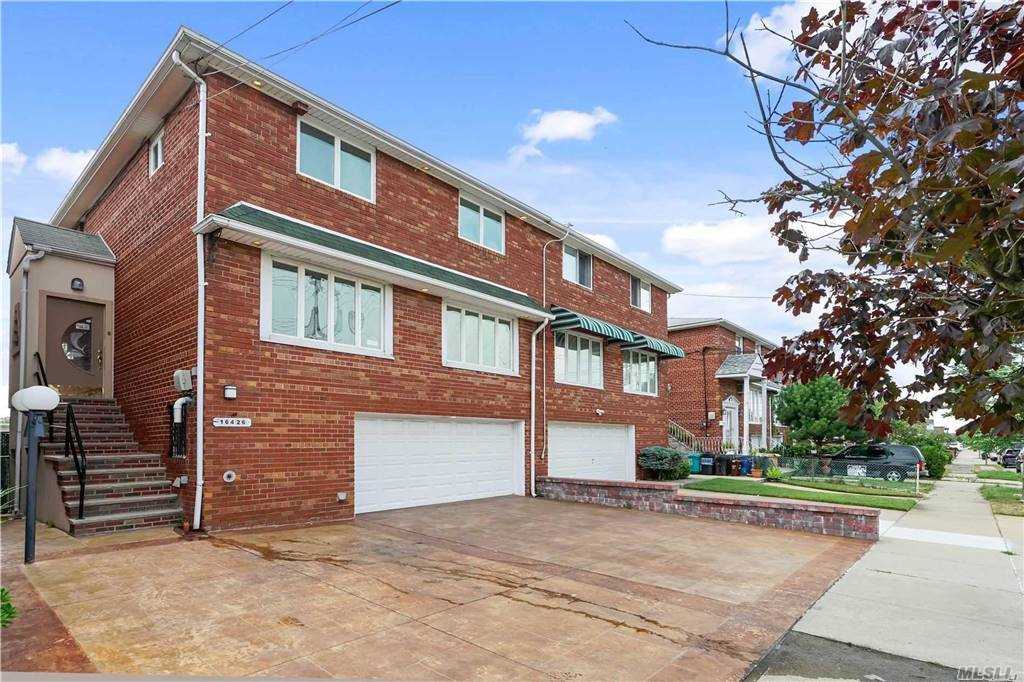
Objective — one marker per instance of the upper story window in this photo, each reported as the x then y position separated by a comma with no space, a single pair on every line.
156,152
481,225
334,161
311,306
578,360
739,343
577,266
640,294
476,340
639,372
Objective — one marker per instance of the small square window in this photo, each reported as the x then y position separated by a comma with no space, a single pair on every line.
640,294
156,152
481,225
577,266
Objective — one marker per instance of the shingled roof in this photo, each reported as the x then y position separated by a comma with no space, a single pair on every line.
62,241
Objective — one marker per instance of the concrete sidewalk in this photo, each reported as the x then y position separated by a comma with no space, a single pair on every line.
937,587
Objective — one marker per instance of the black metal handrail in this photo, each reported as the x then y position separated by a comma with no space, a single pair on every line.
43,381
74,448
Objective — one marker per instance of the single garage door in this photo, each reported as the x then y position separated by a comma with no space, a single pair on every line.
598,451
408,461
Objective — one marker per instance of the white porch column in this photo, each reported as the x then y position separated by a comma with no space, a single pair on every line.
764,414
745,448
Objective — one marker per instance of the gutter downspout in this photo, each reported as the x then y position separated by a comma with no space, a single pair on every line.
533,406
22,365
544,361
197,513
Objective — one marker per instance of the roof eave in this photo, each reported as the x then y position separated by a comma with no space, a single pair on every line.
731,326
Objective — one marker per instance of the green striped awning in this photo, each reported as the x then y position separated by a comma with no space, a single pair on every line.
567,319
642,342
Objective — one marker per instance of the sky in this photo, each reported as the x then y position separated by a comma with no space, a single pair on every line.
561,105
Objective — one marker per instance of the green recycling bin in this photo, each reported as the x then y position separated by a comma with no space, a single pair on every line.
694,462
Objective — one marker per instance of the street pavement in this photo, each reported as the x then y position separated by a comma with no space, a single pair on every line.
940,586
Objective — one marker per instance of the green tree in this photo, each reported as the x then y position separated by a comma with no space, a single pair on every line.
811,411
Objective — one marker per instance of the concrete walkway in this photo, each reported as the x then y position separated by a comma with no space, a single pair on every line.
937,587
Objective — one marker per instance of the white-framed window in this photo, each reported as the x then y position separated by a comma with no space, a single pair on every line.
478,340
639,372
739,343
340,163
308,305
481,225
577,266
640,294
579,360
156,152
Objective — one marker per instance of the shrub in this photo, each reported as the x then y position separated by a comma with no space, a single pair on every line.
665,463
774,473
7,610
935,460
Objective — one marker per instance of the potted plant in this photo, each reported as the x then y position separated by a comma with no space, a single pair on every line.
759,466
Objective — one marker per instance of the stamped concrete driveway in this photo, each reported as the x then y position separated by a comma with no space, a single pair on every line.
501,588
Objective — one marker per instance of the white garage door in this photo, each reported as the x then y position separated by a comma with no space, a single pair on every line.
598,451
408,461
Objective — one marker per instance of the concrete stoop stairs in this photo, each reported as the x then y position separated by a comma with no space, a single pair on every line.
124,487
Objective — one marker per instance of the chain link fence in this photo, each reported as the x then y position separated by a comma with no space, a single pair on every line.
882,473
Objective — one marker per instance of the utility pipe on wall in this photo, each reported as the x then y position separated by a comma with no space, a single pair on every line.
533,407
26,263
544,350
197,513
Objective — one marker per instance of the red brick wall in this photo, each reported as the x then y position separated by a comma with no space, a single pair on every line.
298,454
147,222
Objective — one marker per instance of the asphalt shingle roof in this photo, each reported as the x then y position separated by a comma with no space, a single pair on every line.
72,242
737,363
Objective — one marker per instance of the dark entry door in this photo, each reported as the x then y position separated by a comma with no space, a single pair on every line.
74,346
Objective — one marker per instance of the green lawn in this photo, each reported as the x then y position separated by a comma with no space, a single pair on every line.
1004,499
740,486
998,474
894,489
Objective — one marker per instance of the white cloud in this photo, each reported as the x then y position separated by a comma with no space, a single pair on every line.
744,239
12,159
61,163
768,52
604,240
554,126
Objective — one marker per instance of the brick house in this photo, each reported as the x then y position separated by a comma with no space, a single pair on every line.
719,397
372,328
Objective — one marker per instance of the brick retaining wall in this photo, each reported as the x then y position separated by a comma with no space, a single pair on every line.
666,498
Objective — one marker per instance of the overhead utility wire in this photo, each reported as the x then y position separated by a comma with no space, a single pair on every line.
246,29
343,23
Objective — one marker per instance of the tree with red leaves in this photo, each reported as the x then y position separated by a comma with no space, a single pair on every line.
901,135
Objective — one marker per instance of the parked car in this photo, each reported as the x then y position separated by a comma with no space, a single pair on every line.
891,461
1011,457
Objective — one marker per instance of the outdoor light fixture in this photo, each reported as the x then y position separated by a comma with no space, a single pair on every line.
34,401
77,284
230,392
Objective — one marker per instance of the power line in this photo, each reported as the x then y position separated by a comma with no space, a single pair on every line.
289,51
246,29
760,298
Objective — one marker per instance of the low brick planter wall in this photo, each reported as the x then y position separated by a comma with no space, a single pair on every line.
825,519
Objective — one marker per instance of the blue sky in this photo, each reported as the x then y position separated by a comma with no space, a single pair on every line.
559,104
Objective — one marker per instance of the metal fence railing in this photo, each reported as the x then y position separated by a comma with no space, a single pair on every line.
881,472
7,493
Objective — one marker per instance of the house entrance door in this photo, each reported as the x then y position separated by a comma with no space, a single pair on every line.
74,346
730,423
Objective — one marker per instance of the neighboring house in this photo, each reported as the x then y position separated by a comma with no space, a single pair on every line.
376,329
719,395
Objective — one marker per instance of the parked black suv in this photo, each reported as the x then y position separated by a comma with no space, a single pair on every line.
891,461
1011,457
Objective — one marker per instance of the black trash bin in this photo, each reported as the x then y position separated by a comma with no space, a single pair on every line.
707,465
722,465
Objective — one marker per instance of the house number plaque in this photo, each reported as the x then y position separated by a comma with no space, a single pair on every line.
233,422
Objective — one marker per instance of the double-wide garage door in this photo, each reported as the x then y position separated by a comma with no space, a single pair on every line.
408,461
595,451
